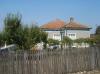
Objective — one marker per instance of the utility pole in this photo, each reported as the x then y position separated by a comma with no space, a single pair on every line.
62,34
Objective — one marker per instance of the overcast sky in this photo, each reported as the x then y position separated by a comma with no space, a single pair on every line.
42,11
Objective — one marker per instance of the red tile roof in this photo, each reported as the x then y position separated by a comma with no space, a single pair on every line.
74,25
57,24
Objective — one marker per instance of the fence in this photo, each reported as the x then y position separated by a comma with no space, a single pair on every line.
50,62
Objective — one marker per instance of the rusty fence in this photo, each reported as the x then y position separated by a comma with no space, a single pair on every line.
50,61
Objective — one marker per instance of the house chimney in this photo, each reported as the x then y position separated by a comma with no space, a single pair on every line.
71,19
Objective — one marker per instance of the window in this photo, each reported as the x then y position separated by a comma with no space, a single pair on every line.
72,35
57,36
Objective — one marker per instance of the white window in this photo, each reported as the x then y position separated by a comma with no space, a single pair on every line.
57,36
72,35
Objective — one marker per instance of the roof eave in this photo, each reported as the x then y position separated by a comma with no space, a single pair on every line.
50,29
78,28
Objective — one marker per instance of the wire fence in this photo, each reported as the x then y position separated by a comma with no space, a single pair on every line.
50,61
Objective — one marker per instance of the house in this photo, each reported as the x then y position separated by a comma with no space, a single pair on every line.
53,29
57,29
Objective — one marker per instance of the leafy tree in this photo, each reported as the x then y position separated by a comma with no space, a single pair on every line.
79,41
97,39
90,41
20,38
32,36
67,41
44,38
36,34
1,39
97,36
16,33
98,30
53,41
12,27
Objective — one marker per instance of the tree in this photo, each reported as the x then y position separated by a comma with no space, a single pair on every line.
90,41
14,31
32,36
36,34
53,41
44,38
97,30
67,42
97,39
97,36
86,41
12,28
79,41
23,36
1,39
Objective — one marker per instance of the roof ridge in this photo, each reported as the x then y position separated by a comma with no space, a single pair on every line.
58,23
54,24
76,25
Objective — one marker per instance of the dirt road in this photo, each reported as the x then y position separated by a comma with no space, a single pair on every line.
85,72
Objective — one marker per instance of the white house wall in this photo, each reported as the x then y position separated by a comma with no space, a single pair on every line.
79,33
54,35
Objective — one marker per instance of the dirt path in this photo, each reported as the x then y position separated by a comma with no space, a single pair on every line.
90,72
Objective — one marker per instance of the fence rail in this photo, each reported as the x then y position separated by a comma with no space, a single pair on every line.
50,62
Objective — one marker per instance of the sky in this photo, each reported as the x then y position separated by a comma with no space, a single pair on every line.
43,11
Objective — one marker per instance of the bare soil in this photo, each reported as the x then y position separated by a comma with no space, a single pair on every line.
89,72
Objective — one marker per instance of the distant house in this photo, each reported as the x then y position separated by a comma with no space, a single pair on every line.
53,29
57,29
